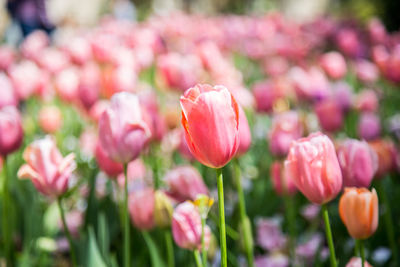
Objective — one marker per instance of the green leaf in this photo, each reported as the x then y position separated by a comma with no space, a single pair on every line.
156,260
104,236
93,256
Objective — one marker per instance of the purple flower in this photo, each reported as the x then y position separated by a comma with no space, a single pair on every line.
269,234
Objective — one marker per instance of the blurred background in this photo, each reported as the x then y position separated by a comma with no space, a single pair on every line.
52,13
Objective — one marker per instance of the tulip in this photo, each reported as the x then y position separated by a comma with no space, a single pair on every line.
367,101
286,127
314,168
7,57
369,126
141,208
357,262
47,168
366,71
211,111
122,130
384,149
265,94
358,162
7,95
342,93
348,42
334,64
11,133
376,31
162,209
329,114
309,84
67,83
186,227
34,44
110,167
358,209
26,78
269,235
185,183
50,119
89,84
282,184
244,133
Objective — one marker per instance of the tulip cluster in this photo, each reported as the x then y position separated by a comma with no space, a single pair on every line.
133,130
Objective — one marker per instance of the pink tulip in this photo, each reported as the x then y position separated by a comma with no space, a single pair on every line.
265,94
88,142
110,167
89,84
25,77
98,108
185,183
7,57
11,133
367,100
141,208
7,94
309,84
348,42
329,114
244,133
52,60
369,126
183,147
334,64
343,95
282,184
358,162
357,262
47,168
186,227
314,168
286,127
376,31
366,71
137,174
275,66
50,119
34,44
79,50
66,83
211,111
122,131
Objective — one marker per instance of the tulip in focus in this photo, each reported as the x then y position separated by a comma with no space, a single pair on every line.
50,119
185,183
47,168
334,64
286,127
110,167
358,209
314,168
358,162
123,132
210,118
11,133
186,227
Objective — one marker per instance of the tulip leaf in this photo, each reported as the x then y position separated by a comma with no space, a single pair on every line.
94,257
156,260
103,235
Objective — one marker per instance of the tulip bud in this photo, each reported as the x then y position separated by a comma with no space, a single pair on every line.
358,209
186,227
141,208
384,149
46,167
185,183
123,132
358,162
50,119
162,210
11,133
211,111
314,168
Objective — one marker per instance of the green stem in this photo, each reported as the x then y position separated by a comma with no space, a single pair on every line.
361,247
291,219
91,197
170,248
203,243
329,236
388,220
126,220
357,248
197,258
6,216
67,232
246,226
221,208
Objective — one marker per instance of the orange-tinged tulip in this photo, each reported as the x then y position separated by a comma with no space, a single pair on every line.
358,209
210,118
